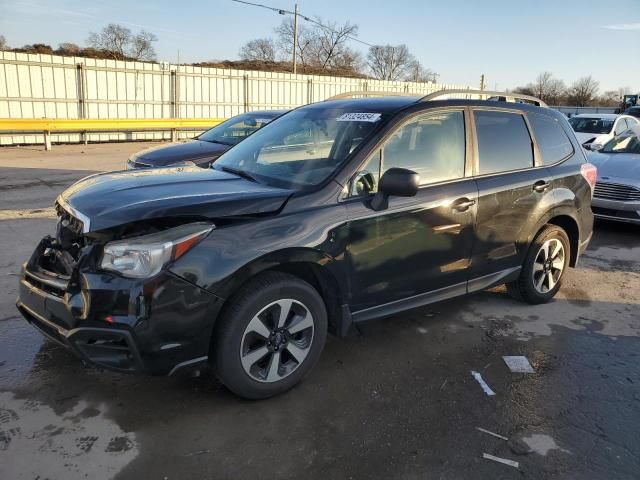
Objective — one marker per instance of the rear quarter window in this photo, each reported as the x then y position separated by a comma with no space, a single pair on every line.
553,142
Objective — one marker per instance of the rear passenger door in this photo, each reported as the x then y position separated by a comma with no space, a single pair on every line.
513,189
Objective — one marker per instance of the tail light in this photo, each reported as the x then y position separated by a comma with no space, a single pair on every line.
590,174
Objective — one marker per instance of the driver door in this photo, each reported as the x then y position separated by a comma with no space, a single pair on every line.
419,247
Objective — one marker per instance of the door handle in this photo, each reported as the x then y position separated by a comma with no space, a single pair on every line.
540,186
463,204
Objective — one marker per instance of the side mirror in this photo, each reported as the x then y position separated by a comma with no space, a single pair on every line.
594,147
398,182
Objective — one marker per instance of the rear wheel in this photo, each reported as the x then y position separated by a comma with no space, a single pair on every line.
543,268
271,336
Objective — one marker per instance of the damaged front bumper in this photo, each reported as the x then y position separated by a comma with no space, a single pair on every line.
154,326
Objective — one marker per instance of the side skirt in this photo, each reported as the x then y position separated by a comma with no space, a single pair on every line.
457,290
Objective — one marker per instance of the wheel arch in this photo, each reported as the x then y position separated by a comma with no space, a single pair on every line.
567,221
320,270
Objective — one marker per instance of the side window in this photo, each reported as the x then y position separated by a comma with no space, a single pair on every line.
504,143
432,145
366,181
631,122
552,141
621,126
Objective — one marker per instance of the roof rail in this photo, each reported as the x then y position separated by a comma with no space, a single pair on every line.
497,96
371,93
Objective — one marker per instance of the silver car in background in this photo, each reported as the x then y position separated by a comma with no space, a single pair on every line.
617,192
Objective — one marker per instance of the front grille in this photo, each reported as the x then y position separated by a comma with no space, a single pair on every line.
631,215
615,191
55,285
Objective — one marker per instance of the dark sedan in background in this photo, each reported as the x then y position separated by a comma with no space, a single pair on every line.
204,149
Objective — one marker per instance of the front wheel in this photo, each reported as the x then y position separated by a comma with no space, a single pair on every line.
270,336
543,268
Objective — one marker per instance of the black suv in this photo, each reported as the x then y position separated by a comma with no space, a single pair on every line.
337,212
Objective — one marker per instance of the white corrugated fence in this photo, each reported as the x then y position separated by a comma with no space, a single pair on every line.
50,86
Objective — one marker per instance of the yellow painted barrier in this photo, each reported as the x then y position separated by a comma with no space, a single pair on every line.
47,126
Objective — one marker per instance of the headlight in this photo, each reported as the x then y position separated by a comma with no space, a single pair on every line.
145,256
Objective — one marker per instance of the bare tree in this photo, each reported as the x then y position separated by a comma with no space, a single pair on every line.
141,46
122,44
610,98
418,73
259,49
388,62
3,42
307,39
67,48
113,38
583,91
330,43
546,88
349,60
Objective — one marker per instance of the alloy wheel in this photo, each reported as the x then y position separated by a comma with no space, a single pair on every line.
548,265
277,340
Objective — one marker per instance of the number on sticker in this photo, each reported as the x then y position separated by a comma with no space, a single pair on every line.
358,117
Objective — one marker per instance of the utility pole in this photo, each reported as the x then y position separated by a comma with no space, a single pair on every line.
482,82
295,37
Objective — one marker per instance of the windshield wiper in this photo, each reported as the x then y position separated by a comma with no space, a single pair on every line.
217,141
238,172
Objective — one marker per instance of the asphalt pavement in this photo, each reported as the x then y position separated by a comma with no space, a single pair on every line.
395,399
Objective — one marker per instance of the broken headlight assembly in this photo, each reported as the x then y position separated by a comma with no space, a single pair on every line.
146,255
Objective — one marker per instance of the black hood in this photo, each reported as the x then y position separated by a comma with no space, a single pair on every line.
196,151
110,199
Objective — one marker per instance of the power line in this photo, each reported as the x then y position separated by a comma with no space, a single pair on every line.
283,11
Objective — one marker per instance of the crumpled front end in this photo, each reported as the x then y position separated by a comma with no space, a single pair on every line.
155,325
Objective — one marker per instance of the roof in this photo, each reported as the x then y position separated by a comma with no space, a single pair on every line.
375,104
396,103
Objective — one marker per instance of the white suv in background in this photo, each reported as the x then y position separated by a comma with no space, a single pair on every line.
595,129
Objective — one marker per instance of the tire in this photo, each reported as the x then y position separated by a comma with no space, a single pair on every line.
541,278
285,347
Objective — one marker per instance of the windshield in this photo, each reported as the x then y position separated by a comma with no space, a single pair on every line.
590,125
236,129
628,142
301,149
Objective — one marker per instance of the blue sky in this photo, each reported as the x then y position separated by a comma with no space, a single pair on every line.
509,41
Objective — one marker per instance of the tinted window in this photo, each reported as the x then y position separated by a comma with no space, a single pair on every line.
235,129
553,143
626,143
504,143
591,125
432,145
366,181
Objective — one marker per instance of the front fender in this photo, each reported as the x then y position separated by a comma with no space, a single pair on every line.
229,256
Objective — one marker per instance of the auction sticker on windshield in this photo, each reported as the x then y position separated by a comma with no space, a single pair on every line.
359,117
